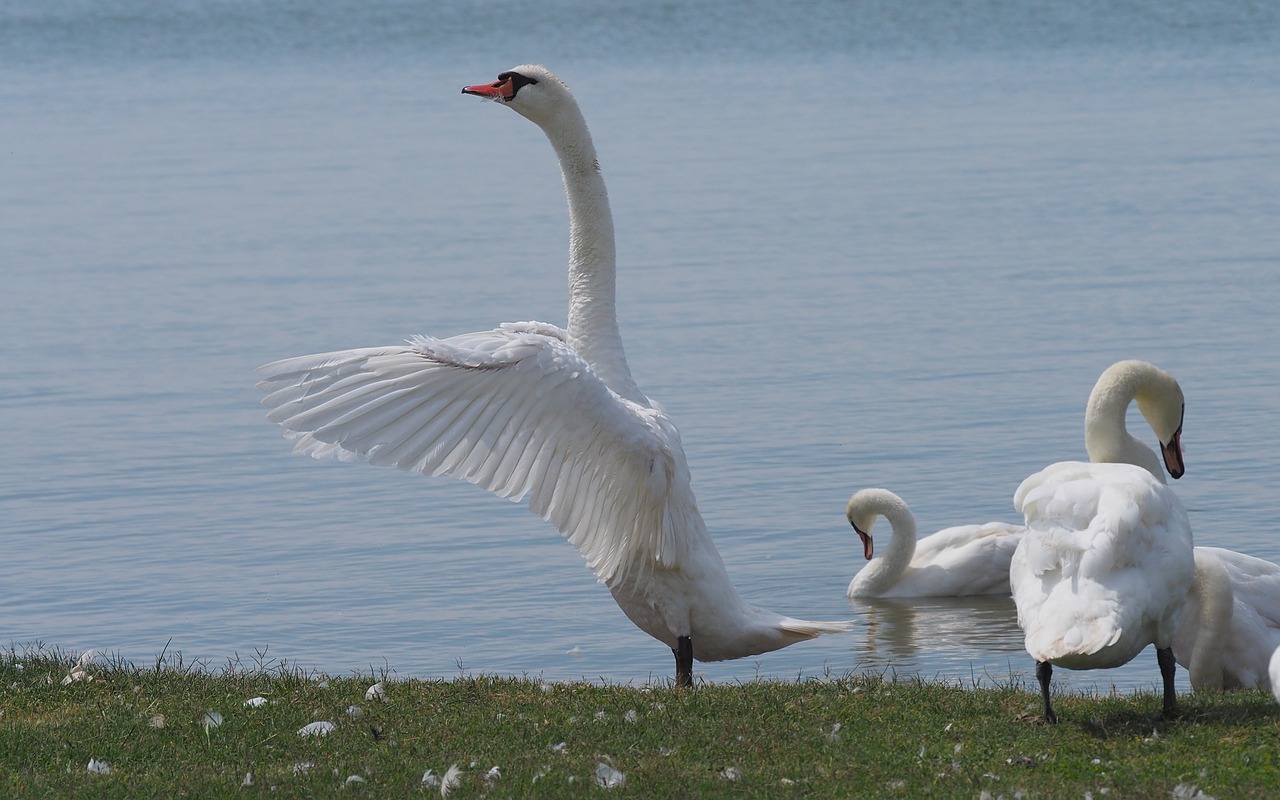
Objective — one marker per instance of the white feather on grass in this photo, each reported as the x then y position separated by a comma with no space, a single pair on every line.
321,728
609,778
451,780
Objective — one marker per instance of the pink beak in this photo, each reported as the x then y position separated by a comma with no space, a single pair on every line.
868,547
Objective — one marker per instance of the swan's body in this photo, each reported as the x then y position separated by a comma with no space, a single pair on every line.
1231,624
954,562
530,410
974,559
1103,569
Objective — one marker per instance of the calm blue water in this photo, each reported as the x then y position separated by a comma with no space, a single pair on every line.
861,244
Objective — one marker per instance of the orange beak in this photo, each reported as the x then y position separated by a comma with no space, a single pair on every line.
498,90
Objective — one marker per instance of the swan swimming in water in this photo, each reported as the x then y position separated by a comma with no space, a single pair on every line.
974,559
529,410
954,562
1102,571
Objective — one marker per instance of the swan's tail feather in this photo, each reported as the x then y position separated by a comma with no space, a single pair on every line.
766,633
801,629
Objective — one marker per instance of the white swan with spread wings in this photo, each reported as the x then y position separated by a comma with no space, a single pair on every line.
528,410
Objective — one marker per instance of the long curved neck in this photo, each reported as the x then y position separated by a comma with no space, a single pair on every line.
885,570
1106,438
593,321
1212,588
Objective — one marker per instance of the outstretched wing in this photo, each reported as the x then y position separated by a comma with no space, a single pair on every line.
514,410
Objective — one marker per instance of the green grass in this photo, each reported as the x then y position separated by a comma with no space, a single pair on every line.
769,739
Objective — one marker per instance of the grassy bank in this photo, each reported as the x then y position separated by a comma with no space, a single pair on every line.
858,736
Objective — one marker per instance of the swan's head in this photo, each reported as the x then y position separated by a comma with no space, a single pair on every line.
534,91
1161,402
863,508
1159,398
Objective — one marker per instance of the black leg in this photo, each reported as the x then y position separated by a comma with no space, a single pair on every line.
1044,672
683,652
1167,666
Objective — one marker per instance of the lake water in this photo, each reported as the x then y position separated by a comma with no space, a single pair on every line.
860,244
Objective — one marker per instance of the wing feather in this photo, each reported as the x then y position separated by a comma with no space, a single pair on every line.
512,476
514,410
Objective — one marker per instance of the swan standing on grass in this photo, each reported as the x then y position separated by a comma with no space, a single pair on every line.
1231,623
1102,571
974,559
954,562
530,410
1106,562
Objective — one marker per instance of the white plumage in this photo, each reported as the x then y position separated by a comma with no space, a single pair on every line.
1274,672
1103,569
530,411
954,562
1231,624
974,559
512,410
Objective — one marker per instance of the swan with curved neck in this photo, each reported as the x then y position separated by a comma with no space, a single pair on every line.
528,410
1231,621
1105,565
1159,398
955,562
974,559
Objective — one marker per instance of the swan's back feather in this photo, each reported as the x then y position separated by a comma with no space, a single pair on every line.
960,561
1105,565
960,544
514,410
